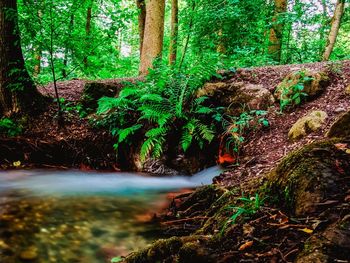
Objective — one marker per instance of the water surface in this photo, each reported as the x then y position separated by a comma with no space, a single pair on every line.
73,216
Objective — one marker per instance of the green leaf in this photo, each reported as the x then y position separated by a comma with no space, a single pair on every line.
125,133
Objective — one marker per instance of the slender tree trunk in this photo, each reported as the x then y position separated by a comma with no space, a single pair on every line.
276,31
87,32
18,93
37,46
66,48
37,51
187,40
221,43
154,33
322,28
141,5
37,58
174,32
335,25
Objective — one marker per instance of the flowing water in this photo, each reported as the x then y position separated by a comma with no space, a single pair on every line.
73,216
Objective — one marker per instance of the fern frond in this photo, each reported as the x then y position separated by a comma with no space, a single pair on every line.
156,132
123,134
204,110
205,132
151,98
146,148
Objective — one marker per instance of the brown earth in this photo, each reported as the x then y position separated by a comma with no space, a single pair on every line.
265,148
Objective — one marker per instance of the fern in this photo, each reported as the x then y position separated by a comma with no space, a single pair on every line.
123,134
162,105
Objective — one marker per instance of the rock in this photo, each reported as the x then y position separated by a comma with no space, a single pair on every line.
255,97
308,177
307,124
30,253
210,89
347,90
315,84
341,127
93,91
237,96
334,241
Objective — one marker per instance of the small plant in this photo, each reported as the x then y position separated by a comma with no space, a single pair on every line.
69,107
294,94
236,127
9,127
335,67
251,205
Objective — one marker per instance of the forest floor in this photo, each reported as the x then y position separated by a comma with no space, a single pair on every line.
265,148
78,141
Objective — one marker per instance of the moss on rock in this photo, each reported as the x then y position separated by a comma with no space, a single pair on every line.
307,177
314,83
307,124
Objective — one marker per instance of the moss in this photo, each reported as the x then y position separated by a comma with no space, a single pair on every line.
192,252
93,91
307,176
307,124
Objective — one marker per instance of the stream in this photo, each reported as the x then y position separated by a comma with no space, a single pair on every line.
73,216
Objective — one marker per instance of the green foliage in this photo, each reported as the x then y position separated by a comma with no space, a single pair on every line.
251,205
236,127
9,127
116,259
161,106
293,95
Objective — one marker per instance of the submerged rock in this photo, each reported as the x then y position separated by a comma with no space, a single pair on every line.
341,127
30,253
307,124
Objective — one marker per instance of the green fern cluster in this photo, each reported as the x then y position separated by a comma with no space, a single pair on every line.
162,106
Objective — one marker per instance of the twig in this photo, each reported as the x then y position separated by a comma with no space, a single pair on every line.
184,220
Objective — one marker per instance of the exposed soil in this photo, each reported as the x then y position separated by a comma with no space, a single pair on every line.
265,148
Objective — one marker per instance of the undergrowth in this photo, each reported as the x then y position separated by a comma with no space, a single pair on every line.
9,127
163,104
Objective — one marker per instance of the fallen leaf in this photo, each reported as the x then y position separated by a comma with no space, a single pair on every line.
246,245
17,164
306,230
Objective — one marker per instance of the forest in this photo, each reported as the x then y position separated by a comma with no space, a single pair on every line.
184,131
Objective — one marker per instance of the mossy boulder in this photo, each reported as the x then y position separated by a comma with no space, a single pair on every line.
307,178
94,90
314,84
237,96
341,127
307,124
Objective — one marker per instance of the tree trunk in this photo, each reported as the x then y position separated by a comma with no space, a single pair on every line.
37,49
174,32
18,93
154,33
141,5
87,32
335,25
66,48
276,31
37,58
